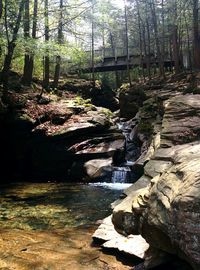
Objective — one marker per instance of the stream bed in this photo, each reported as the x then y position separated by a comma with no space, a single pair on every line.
49,226
44,206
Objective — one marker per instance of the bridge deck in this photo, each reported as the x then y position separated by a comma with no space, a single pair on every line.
120,63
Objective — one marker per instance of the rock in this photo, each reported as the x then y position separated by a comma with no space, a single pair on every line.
155,167
49,137
181,120
97,168
130,100
166,212
102,95
133,245
92,170
173,207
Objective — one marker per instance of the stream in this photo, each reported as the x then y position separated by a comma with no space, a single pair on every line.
49,226
44,206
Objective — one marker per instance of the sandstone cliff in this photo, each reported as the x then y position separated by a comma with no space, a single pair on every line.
167,211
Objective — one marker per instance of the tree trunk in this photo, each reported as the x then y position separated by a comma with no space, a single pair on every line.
188,43
26,80
93,75
127,42
10,47
157,42
34,31
140,39
148,43
46,58
6,66
196,37
60,41
57,72
1,8
176,49
117,79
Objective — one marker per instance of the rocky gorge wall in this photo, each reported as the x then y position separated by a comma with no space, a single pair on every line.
58,136
164,204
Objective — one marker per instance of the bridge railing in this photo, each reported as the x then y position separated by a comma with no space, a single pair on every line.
102,53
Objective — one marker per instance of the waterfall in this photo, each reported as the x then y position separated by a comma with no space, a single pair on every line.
120,174
124,173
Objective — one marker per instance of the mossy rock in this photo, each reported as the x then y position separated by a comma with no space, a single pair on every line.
145,127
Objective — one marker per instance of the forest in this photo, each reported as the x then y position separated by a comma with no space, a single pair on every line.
99,134
48,39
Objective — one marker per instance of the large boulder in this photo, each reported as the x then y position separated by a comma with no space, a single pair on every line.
130,100
42,140
166,212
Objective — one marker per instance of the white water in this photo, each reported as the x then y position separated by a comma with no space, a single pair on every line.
113,186
120,174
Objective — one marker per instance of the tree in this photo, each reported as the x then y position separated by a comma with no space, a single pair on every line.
34,35
46,57
156,33
196,36
11,43
60,42
1,8
26,75
175,41
127,42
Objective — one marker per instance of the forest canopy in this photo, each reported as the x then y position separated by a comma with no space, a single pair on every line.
49,38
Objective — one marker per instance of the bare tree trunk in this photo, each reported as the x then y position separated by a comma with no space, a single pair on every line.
93,75
196,37
140,39
143,44
117,79
60,41
26,75
46,58
1,8
127,43
188,43
34,31
157,42
175,43
163,32
176,49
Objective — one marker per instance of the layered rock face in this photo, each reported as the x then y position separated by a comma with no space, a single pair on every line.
53,138
167,212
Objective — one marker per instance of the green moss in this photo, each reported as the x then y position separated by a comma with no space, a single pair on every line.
82,102
145,128
106,112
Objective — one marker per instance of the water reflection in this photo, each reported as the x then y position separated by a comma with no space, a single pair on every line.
39,206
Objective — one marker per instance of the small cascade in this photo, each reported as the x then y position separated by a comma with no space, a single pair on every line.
123,173
120,175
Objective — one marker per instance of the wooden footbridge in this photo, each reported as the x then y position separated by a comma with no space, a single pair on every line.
109,60
113,60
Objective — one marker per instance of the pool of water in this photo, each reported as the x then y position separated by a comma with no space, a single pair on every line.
41,206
